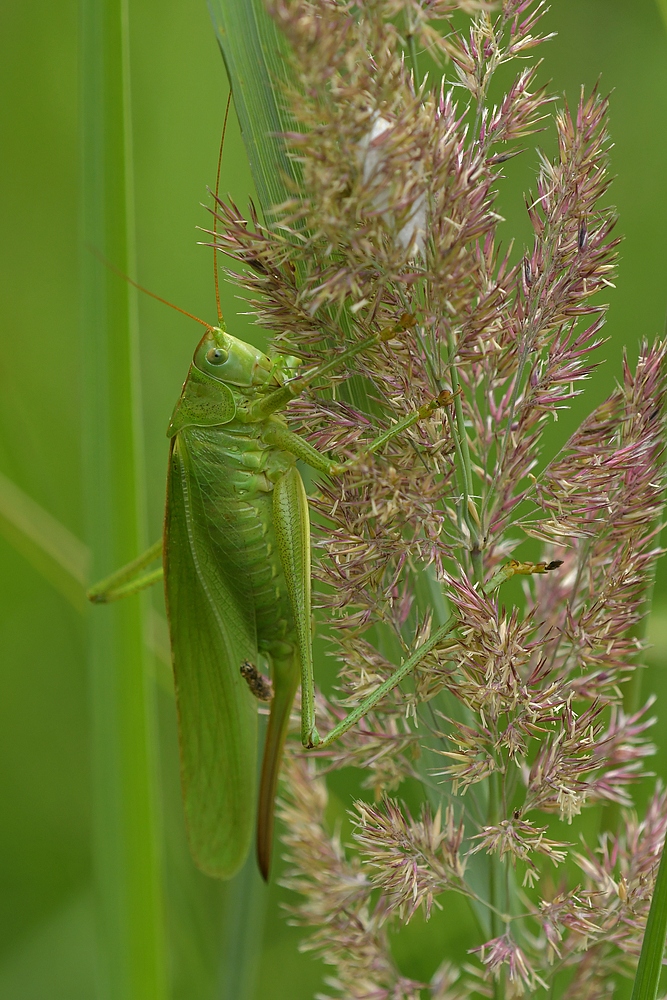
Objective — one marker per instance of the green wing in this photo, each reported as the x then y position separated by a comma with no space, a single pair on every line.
212,632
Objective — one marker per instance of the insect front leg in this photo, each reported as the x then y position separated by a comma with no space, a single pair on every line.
291,442
279,436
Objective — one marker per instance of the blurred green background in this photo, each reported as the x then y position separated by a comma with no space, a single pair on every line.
179,93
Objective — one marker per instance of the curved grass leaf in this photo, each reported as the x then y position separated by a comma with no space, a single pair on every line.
653,945
58,555
257,64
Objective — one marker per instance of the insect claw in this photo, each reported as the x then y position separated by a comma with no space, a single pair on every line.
447,396
444,398
312,740
95,597
406,322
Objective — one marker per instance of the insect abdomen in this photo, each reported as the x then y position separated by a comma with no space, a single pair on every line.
235,472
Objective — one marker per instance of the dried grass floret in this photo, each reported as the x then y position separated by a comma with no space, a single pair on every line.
410,860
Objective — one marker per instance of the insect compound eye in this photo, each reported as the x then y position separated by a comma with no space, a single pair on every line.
216,356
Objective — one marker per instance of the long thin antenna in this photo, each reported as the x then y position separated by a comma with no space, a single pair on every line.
215,216
147,291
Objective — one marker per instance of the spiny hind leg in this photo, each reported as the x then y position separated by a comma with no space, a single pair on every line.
292,530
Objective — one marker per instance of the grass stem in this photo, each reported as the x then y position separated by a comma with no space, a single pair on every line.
131,957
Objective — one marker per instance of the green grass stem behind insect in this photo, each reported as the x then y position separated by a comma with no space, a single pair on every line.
653,946
127,829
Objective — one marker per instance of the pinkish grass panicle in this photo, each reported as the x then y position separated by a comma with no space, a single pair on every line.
527,712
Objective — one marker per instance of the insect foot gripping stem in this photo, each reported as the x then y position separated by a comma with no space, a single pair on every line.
406,322
444,398
311,740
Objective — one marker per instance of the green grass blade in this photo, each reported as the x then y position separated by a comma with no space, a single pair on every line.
63,560
126,847
44,542
245,911
662,7
256,59
653,945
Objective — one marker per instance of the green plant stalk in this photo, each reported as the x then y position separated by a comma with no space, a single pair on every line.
495,876
131,959
653,946
463,455
632,692
245,912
